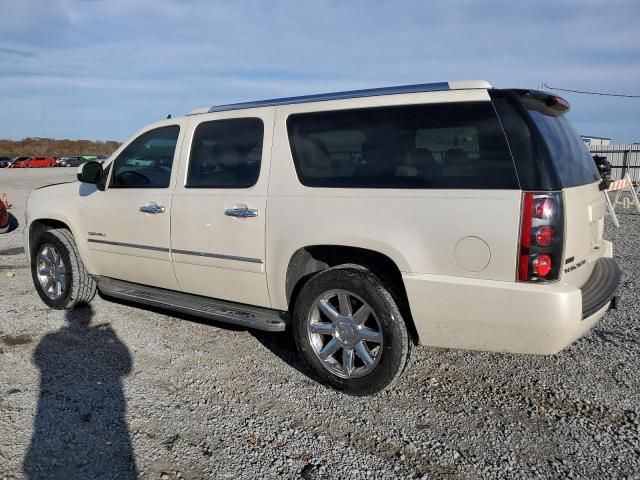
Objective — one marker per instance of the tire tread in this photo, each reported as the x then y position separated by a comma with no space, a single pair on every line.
82,286
367,281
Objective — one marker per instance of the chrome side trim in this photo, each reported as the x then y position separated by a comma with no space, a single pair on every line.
129,245
179,252
217,255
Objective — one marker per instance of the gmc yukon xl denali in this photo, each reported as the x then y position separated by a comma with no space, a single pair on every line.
450,214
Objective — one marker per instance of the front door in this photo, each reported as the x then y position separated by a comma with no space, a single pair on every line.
127,225
219,208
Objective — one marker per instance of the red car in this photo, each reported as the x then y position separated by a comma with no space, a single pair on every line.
34,162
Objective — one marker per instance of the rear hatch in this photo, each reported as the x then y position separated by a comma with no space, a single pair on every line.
577,175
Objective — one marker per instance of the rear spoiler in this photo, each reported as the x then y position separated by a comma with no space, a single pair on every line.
550,100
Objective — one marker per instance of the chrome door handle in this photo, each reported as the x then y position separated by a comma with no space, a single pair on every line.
242,212
152,208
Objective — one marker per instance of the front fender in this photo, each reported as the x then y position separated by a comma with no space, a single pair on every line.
53,206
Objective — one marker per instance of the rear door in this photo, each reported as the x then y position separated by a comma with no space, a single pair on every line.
219,207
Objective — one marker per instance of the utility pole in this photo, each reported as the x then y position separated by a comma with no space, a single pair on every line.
43,120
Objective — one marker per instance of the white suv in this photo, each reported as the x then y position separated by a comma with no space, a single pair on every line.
449,214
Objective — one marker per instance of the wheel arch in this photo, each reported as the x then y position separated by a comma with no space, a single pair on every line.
42,224
307,261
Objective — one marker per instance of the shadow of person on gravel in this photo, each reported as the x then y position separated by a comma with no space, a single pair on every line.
80,429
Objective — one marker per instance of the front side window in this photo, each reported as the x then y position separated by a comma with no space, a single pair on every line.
452,145
146,162
226,154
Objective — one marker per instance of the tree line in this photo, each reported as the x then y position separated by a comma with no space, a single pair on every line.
41,147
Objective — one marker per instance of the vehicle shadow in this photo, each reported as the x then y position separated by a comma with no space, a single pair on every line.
80,430
13,222
281,344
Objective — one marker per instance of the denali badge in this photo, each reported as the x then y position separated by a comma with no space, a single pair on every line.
577,265
96,234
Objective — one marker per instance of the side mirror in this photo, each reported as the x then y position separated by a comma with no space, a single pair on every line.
90,172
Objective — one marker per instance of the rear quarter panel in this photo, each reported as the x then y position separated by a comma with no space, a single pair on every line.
417,229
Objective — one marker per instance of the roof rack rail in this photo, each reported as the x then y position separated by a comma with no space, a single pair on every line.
370,92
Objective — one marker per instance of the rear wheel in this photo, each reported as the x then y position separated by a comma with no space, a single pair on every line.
349,330
58,272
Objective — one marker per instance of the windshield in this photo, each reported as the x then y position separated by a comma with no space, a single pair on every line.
569,154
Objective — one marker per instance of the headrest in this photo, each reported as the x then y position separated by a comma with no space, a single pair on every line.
456,157
225,154
312,153
421,157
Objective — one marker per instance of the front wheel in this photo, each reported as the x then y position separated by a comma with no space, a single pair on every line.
60,278
349,330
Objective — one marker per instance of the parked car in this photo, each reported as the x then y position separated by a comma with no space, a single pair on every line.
71,161
4,162
34,162
14,160
367,222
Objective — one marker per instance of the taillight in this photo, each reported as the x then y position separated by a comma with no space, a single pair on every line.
542,265
544,235
544,208
541,237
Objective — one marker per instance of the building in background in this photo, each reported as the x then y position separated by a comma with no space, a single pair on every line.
595,141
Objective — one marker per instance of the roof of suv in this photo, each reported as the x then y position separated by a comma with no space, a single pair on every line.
370,92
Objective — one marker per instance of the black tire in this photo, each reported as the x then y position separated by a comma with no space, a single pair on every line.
80,287
396,350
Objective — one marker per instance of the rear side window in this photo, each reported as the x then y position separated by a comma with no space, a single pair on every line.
147,161
572,161
452,145
226,154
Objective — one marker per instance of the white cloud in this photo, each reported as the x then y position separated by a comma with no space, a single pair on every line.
182,54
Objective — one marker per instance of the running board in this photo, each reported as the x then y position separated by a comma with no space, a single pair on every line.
229,312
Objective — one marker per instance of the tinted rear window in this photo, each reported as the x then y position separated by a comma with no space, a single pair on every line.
572,161
226,154
452,145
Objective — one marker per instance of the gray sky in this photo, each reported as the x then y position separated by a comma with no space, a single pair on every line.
101,69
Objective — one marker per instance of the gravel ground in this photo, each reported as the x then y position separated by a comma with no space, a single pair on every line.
118,391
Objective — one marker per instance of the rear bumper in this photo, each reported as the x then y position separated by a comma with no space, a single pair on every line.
508,316
601,286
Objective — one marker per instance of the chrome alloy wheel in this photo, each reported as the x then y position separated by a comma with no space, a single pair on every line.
52,273
345,334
